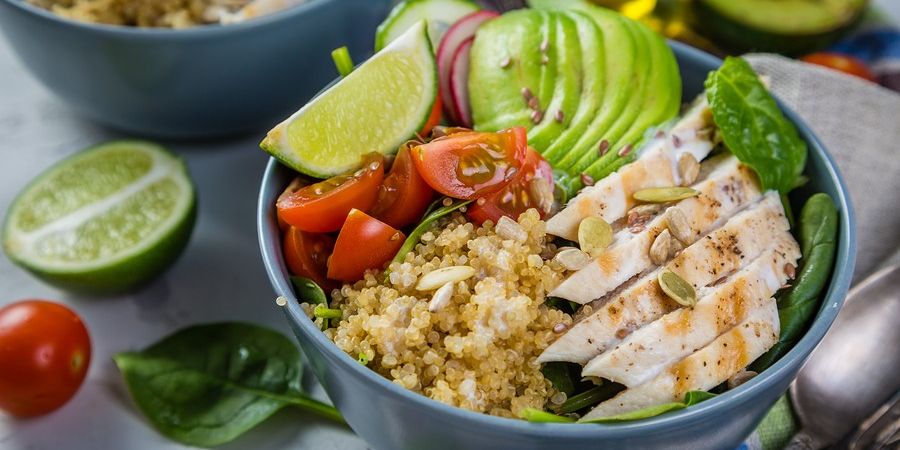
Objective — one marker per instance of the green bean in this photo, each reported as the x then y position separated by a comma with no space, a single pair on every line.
798,304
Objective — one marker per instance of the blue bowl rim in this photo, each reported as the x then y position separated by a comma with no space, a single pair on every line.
210,31
834,298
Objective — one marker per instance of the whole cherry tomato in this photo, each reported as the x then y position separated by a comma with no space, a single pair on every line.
322,207
842,63
531,188
472,164
404,196
306,255
45,352
364,243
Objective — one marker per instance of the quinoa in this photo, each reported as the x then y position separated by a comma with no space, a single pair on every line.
142,13
479,350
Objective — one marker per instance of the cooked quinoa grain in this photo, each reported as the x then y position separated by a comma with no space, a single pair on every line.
479,350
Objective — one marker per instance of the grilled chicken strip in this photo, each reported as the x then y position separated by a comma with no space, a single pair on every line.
703,370
729,248
728,188
657,166
650,350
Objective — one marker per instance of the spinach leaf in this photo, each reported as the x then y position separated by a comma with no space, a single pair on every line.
591,397
562,375
690,398
208,384
308,291
434,212
798,304
753,127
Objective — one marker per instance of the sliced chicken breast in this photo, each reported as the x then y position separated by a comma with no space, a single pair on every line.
653,348
657,166
740,240
728,188
704,369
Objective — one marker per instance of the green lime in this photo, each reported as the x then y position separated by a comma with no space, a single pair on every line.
377,107
103,220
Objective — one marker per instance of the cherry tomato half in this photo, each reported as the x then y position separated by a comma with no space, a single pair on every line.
842,63
404,196
531,188
45,352
306,255
434,119
471,164
364,243
322,207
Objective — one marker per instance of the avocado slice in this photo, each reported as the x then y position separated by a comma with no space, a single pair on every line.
593,67
661,102
585,150
506,59
565,53
783,26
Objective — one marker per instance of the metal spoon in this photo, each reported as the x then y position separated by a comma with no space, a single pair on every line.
855,368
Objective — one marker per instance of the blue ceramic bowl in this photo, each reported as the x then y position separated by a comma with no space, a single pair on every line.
390,417
198,82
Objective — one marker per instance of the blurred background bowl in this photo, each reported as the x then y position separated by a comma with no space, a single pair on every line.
388,416
211,80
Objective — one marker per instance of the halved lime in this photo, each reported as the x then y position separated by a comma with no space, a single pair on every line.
380,105
103,220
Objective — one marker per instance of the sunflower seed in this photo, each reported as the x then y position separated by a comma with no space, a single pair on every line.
659,250
594,235
603,147
439,277
626,150
679,225
664,194
676,288
688,169
572,258
587,180
559,116
536,116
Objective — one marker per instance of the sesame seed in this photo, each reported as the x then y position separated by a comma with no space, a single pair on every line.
559,116
604,147
625,150
587,180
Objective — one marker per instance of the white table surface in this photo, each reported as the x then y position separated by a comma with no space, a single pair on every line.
219,277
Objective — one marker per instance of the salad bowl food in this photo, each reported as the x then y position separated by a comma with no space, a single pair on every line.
383,401
209,80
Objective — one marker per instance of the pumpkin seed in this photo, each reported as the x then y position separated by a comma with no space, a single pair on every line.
594,235
665,194
572,259
439,277
688,169
679,225
660,249
676,288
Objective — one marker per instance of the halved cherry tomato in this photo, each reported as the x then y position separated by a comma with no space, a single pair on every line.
531,188
296,184
472,164
364,243
45,352
842,63
404,196
322,207
434,119
306,255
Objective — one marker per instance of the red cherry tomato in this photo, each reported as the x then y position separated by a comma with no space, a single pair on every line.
842,63
434,119
404,196
472,164
306,255
531,188
364,243
45,352
322,207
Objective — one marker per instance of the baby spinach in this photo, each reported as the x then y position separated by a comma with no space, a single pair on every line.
308,291
798,304
753,127
437,210
208,384
690,398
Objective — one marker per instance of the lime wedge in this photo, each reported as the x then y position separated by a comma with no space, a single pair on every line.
104,220
380,105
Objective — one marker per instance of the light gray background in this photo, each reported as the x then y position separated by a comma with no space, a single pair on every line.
220,277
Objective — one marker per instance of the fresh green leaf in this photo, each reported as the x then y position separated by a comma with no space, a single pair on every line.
308,291
798,304
208,384
562,304
435,212
540,416
753,127
590,397
690,398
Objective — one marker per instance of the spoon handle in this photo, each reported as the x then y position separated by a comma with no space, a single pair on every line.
802,441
